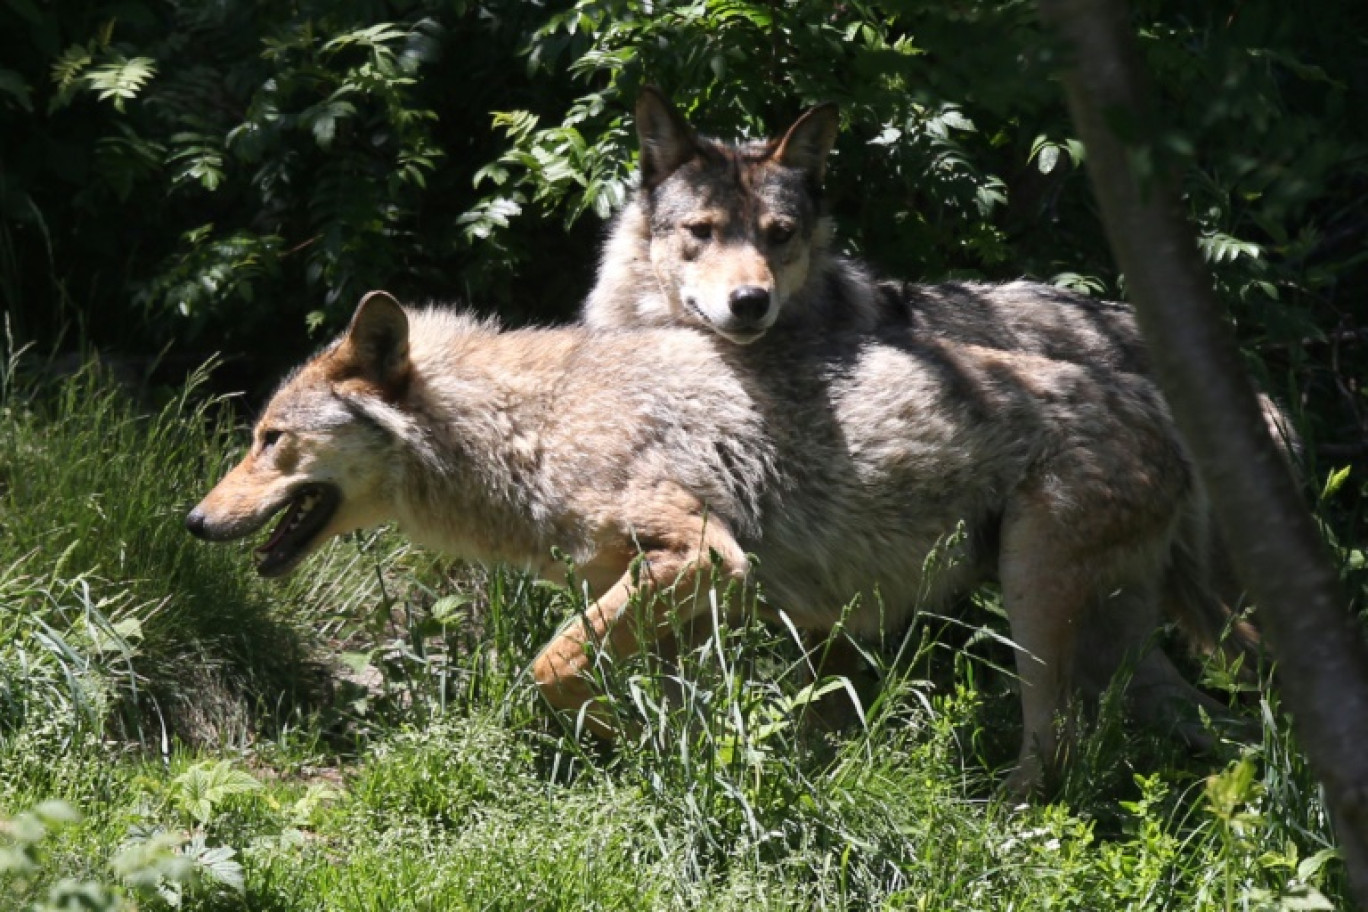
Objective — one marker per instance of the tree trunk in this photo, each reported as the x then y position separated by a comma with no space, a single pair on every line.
1279,556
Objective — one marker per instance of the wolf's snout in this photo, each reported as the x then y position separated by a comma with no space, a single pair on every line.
195,522
749,302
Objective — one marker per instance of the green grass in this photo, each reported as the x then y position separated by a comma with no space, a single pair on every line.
365,736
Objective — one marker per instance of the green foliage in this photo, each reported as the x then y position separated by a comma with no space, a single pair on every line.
1250,853
213,167
144,869
201,789
725,800
263,167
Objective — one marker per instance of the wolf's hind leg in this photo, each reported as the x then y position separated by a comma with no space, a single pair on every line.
1045,594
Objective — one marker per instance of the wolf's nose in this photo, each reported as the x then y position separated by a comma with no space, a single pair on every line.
749,302
194,523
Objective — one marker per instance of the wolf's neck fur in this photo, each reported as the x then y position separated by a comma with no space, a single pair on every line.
628,293
468,435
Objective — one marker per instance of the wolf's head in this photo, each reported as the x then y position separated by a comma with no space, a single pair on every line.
733,228
321,454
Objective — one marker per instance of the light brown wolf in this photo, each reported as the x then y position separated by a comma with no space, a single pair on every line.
659,460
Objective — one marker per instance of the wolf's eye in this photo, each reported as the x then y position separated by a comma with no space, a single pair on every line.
780,233
701,231
269,438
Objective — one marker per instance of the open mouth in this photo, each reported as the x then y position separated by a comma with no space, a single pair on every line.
306,513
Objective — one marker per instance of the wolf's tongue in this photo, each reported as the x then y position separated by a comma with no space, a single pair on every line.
286,522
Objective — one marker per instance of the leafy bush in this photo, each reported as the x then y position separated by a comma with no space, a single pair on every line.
217,169
261,167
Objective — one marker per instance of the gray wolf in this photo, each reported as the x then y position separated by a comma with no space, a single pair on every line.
660,462
732,238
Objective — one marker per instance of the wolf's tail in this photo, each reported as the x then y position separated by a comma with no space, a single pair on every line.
1201,595
1201,591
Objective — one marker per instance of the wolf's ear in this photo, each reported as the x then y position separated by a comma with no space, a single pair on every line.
808,142
376,346
667,140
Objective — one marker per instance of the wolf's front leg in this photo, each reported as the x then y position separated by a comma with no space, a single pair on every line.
666,585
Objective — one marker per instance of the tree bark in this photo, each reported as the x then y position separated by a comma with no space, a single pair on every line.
1278,552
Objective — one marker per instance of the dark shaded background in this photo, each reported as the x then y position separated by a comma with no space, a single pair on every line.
178,179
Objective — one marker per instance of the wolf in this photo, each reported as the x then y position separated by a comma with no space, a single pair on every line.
822,473
733,239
